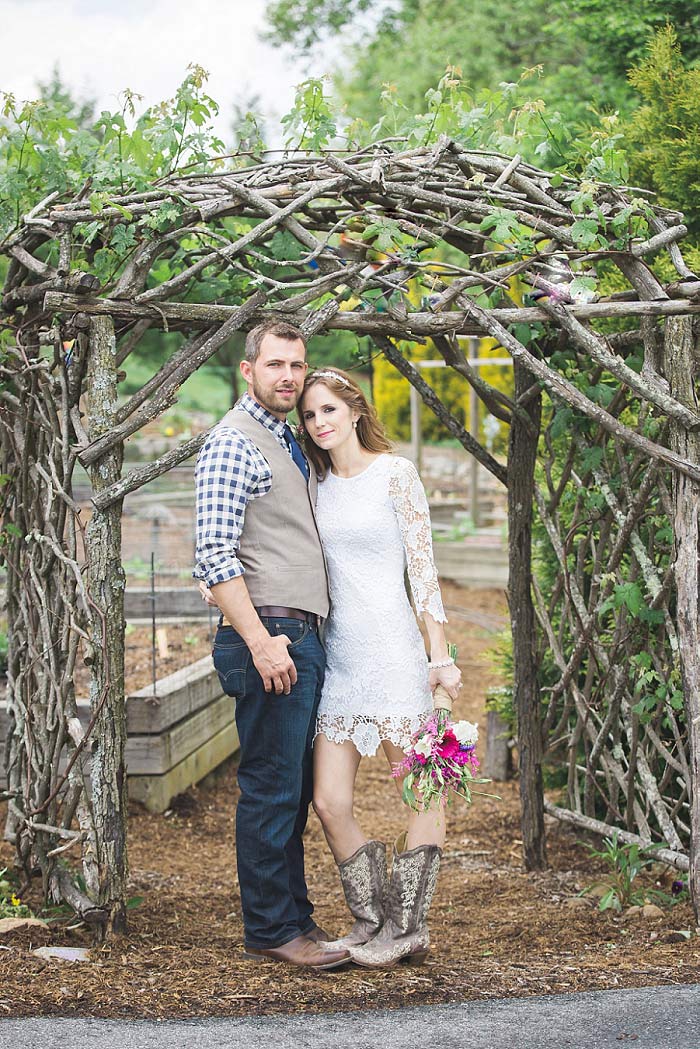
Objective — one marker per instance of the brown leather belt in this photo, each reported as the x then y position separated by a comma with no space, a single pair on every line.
280,612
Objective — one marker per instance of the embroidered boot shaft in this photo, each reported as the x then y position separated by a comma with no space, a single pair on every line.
404,933
365,883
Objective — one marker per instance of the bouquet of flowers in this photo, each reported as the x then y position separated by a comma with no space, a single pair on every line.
441,761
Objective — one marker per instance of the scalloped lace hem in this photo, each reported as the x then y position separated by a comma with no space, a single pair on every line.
367,732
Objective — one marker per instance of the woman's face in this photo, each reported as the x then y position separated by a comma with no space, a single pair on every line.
328,419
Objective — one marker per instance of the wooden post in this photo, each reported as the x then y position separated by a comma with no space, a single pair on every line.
474,430
522,455
106,588
681,365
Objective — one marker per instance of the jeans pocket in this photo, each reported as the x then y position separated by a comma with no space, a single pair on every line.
231,663
302,636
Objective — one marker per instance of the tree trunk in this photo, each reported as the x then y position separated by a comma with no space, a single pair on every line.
522,454
681,367
106,587
498,760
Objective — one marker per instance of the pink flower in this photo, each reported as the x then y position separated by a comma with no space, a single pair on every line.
401,768
449,746
428,729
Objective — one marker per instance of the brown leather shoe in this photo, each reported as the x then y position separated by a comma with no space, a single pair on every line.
300,951
318,935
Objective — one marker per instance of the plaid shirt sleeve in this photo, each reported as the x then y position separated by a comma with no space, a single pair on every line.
229,472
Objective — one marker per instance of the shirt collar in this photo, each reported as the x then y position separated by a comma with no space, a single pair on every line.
270,421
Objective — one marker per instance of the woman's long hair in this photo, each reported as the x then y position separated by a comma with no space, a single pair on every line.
369,430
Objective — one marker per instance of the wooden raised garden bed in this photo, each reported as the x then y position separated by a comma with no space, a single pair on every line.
176,736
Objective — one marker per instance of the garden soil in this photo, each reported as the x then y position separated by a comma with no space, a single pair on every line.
497,930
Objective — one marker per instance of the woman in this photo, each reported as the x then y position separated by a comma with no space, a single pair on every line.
373,520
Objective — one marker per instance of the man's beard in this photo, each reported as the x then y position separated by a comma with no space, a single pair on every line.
270,399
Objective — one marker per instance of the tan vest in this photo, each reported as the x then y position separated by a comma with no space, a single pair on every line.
280,547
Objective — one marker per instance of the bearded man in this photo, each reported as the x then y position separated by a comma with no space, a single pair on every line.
259,555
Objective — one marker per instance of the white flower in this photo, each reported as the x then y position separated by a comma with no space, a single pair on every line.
466,732
424,747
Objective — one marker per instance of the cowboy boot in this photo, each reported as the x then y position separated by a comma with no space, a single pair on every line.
404,933
364,879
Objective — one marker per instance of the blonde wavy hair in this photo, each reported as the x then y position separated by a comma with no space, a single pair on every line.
369,430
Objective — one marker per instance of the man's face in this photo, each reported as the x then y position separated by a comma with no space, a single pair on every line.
276,378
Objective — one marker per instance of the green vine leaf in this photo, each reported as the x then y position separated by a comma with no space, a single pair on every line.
311,123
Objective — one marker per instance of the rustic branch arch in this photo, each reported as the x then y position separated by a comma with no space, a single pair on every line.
271,233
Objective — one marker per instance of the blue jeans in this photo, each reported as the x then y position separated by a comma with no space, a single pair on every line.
275,777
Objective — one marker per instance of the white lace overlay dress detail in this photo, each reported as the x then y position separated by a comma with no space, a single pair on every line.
374,526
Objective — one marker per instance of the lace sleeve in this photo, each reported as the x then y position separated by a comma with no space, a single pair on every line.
412,512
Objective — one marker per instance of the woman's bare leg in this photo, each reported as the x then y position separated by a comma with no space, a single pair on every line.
335,770
424,828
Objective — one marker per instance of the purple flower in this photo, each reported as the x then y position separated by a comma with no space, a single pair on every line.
467,758
677,888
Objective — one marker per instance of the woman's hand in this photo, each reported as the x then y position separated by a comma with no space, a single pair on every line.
449,677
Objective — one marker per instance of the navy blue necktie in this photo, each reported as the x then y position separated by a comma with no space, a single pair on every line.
297,454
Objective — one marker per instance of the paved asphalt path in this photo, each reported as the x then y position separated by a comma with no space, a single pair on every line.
648,1018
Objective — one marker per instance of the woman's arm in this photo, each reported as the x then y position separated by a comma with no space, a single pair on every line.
413,515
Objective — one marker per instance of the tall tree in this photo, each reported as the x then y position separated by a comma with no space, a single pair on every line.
664,132
411,43
305,23
617,35
585,47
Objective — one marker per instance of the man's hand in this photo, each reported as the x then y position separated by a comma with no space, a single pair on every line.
274,663
270,654
206,593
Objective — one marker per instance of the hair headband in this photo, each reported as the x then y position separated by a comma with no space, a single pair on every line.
331,375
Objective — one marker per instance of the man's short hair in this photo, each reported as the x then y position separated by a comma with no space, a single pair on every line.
256,335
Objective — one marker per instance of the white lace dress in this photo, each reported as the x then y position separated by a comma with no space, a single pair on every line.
373,526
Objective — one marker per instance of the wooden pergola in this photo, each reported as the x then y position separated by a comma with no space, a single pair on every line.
333,243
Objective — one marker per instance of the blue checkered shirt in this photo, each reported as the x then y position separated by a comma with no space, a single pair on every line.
230,471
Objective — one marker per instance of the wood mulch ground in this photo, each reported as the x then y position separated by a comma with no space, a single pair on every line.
496,929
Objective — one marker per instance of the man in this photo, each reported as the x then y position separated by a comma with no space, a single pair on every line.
259,553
